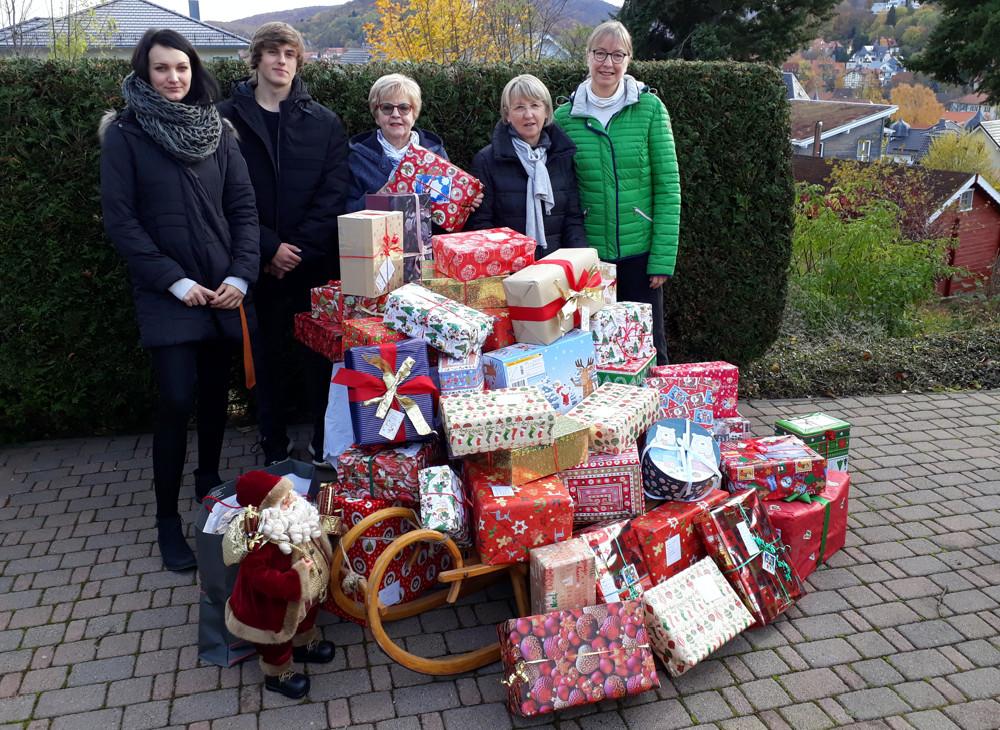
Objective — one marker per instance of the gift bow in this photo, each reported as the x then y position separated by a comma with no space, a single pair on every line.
569,303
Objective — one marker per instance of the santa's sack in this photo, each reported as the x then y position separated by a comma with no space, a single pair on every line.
215,644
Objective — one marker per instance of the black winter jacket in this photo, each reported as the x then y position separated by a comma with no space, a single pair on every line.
301,186
505,186
171,221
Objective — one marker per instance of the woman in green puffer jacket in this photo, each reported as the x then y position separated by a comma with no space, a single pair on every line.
626,166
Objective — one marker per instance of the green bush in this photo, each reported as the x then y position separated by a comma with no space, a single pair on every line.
69,356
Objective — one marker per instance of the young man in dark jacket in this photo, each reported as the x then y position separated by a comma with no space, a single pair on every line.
296,150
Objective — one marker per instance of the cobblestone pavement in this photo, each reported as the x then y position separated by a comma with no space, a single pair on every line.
901,630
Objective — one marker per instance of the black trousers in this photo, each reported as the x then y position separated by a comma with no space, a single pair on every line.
186,373
278,358
633,286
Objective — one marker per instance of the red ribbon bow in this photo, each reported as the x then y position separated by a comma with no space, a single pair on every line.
588,279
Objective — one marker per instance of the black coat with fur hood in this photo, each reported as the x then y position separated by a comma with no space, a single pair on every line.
171,221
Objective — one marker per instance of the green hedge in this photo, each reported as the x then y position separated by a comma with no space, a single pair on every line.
69,358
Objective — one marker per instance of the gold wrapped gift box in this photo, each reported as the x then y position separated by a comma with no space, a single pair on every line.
570,447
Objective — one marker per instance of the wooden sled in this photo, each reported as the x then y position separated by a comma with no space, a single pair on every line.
462,579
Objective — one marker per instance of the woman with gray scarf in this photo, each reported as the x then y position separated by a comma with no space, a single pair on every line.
179,207
527,172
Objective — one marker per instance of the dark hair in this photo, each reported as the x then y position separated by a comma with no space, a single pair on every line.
204,88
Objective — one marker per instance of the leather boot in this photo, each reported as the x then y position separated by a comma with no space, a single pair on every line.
291,684
174,549
315,652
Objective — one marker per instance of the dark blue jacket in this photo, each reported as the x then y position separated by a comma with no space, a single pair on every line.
370,168
171,221
301,187
505,189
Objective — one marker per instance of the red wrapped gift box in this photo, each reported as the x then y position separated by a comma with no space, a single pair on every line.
606,487
687,397
727,374
576,657
477,254
369,331
319,335
621,567
511,520
503,329
816,529
451,189
387,472
739,537
670,543
412,572
776,466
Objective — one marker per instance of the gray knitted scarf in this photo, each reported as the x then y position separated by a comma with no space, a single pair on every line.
189,132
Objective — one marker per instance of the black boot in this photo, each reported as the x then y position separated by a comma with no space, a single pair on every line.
274,449
205,483
174,550
315,652
293,685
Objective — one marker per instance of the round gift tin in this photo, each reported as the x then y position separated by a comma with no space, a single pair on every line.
680,461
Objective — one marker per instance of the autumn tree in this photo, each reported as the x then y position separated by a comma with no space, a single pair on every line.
917,104
961,152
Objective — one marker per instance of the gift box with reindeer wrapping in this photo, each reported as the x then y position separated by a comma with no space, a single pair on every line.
526,464
450,188
510,519
775,466
568,362
575,657
554,295
622,332
476,254
691,615
606,487
443,505
387,472
727,375
621,567
319,335
814,528
371,252
739,537
445,324
416,210
667,534
618,415
631,372
687,396
391,396
476,423
562,575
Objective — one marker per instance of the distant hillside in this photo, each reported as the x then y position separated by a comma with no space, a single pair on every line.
590,12
246,26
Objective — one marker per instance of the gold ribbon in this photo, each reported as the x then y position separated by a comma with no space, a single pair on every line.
392,382
575,300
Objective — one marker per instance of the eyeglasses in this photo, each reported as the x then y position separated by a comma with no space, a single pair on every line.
617,58
388,109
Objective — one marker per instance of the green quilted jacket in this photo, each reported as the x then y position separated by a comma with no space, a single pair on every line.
630,189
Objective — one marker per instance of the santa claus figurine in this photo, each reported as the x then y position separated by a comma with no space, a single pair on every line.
281,582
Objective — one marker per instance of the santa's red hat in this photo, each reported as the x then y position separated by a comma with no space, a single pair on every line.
260,489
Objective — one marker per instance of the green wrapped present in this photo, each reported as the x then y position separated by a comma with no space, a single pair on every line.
828,436
632,372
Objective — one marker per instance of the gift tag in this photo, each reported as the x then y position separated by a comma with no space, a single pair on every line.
673,548
390,427
384,275
608,587
500,490
391,594
751,545
630,574
770,563
707,588
584,318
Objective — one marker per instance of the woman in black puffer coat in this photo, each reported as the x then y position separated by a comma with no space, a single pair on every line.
179,207
527,172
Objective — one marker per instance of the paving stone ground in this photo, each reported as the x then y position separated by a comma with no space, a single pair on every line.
901,630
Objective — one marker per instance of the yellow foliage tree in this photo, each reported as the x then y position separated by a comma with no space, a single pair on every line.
917,104
961,152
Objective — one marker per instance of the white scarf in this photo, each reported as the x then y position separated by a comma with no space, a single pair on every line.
389,149
539,190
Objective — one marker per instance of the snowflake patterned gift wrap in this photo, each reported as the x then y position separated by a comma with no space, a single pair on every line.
727,375
814,528
776,466
526,464
450,188
510,520
575,657
605,487
680,461
475,423
386,472
319,335
623,331
443,505
686,396
617,415
739,537
371,252
552,296
667,534
621,566
476,254
691,615
445,324
562,575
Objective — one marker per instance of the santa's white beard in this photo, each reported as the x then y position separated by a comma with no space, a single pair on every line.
292,525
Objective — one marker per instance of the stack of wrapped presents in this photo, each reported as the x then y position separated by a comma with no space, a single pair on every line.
516,406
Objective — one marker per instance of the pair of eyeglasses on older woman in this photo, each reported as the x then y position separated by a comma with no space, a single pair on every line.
617,58
388,109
